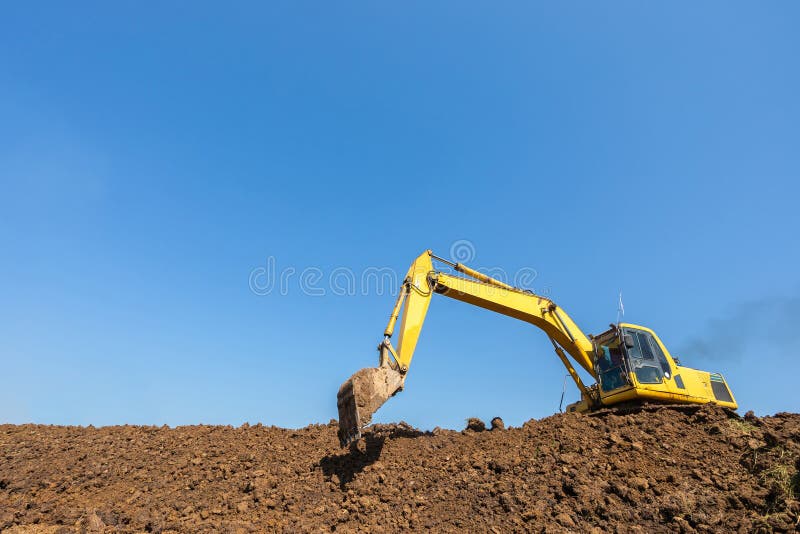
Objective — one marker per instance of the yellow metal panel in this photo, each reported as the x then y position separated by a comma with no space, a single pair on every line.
415,308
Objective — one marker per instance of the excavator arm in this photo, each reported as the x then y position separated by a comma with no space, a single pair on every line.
361,395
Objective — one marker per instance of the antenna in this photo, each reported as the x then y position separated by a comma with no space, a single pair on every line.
620,308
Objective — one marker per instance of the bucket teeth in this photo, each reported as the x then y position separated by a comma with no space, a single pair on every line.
349,427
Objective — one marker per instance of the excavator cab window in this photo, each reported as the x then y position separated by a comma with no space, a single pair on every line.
662,360
645,357
611,363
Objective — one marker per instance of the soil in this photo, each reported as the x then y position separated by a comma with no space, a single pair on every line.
703,469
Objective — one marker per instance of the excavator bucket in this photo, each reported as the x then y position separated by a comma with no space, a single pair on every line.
361,395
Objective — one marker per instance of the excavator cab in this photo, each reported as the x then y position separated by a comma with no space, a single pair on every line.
627,350
633,365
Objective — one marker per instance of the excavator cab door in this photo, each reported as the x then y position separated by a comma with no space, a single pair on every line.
610,362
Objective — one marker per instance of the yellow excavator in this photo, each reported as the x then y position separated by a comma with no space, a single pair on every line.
629,363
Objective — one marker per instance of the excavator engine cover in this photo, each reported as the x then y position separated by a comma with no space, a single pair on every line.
361,395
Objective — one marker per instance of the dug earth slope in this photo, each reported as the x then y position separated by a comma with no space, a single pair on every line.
703,469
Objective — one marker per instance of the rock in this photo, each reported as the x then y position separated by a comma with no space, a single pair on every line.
497,424
475,424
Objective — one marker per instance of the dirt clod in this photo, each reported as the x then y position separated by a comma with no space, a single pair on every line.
498,424
475,424
703,470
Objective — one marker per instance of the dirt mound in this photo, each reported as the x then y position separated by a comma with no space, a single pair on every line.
702,469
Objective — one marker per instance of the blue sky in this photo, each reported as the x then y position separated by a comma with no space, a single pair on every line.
153,157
